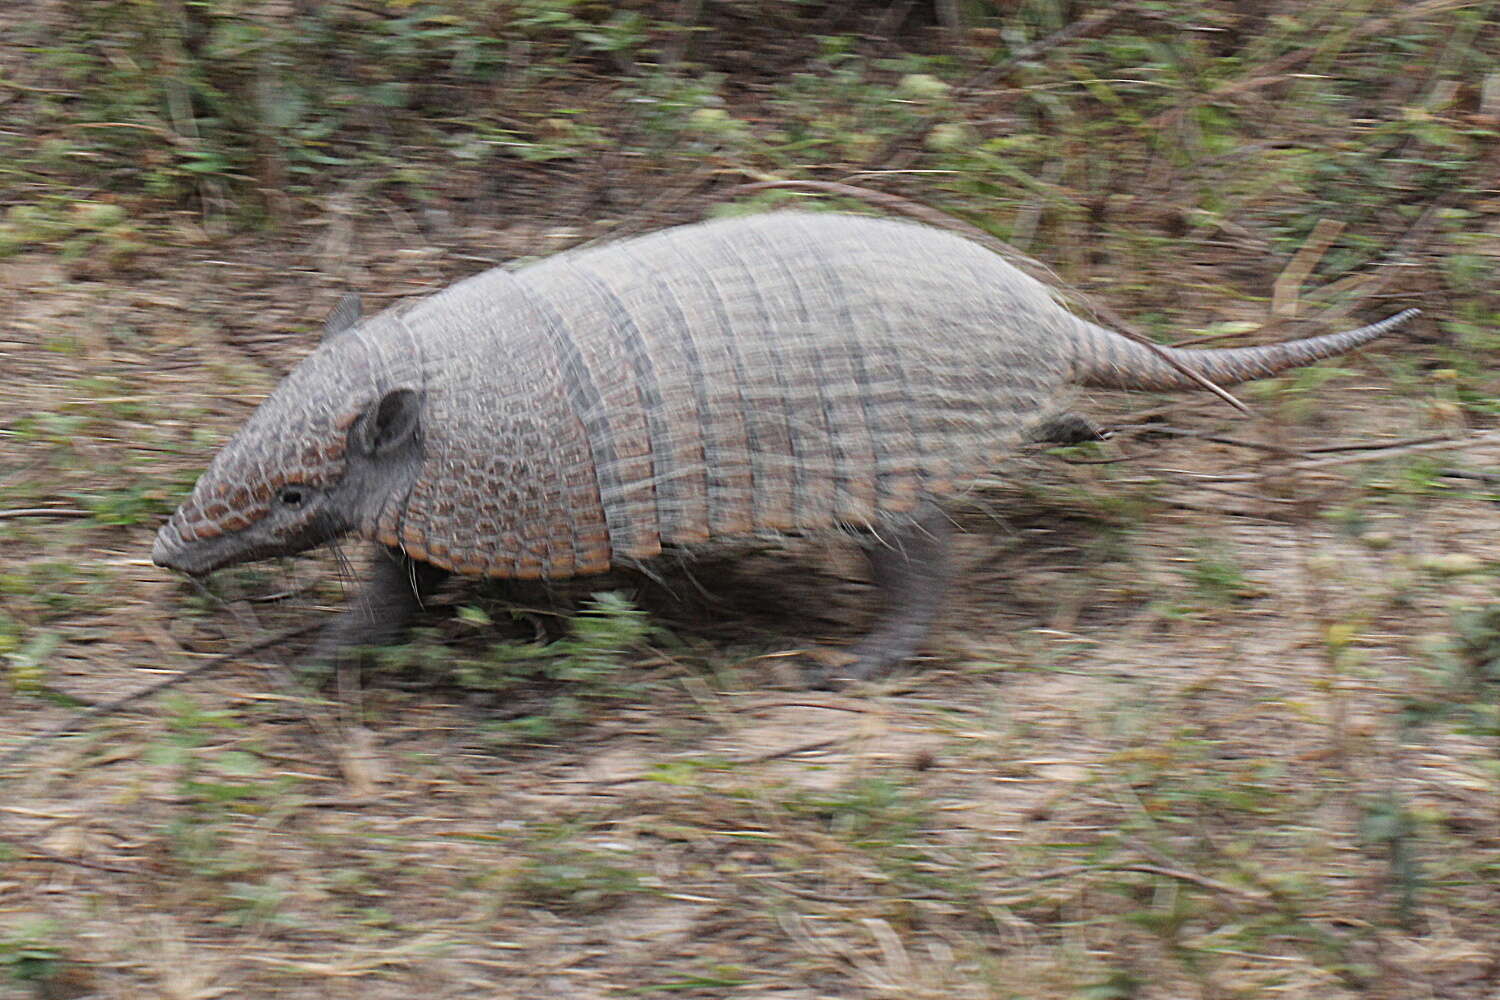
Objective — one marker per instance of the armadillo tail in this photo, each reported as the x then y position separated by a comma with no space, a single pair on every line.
1107,360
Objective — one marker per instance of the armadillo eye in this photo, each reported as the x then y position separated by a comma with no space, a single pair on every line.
291,496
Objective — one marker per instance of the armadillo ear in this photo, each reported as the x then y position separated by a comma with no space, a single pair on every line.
344,315
388,425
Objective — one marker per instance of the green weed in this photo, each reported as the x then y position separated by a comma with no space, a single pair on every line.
215,783
73,228
1464,674
571,879
26,663
29,951
889,825
1217,577
576,674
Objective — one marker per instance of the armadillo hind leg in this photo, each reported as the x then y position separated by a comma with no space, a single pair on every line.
378,614
1065,428
912,566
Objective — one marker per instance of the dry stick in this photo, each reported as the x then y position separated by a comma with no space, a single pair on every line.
1199,880
13,85
1276,449
1288,285
35,853
758,758
1377,445
45,512
1029,216
74,723
1388,451
1068,871
1479,477
1373,453
1136,456
943,220
1215,438
1210,338
803,701
791,751
157,130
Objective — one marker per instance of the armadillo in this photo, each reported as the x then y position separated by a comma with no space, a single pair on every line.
779,373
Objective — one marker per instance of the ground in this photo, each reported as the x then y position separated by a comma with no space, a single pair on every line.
1212,711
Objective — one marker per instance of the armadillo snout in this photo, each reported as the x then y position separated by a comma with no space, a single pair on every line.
194,546
168,548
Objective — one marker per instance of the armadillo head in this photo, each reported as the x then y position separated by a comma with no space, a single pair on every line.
334,448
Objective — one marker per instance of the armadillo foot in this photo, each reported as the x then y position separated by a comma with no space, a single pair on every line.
1065,428
378,614
911,567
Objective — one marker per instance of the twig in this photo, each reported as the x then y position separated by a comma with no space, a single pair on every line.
1441,444
157,130
1211,338
34,853
1377,445
803,701
1293,452
45,512
1068,871
6,81
1288,285
1222,511
1196,879
790,751
1222,439
1479,477
1116,460
1371,454
76,722
759,758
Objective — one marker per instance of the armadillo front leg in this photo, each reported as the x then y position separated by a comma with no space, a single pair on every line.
911,566
380,611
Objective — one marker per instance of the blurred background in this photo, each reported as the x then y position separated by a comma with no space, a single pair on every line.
1214,712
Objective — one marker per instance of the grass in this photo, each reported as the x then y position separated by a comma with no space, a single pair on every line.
1204,720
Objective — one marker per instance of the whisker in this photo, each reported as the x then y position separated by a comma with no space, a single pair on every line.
344,566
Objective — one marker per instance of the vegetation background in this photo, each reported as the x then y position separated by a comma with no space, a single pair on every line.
1215,713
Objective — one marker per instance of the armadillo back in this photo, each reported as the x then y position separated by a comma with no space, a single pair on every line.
784,372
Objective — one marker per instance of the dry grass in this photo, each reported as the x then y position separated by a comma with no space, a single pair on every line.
1211,720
